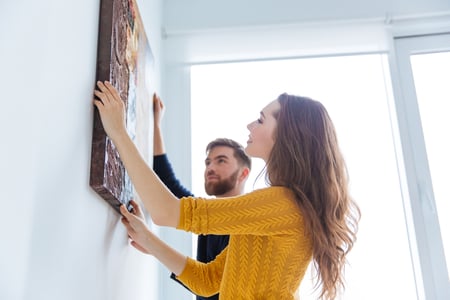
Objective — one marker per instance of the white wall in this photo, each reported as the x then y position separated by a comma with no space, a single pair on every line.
59,240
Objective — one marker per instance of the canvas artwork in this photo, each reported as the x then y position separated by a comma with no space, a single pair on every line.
125,59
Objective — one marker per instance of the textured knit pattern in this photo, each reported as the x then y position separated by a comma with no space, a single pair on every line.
208,246
268,252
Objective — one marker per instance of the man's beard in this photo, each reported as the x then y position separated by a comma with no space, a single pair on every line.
222,186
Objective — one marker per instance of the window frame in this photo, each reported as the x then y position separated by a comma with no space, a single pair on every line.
426,245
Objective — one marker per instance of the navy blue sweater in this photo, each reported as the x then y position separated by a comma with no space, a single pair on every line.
208,246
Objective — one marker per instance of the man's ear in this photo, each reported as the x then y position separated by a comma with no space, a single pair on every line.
244,174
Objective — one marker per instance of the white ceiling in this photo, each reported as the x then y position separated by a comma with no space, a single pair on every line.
188,15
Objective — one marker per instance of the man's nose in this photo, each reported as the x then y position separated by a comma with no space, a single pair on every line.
210,170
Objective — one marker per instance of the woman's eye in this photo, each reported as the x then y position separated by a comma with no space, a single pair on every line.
259,121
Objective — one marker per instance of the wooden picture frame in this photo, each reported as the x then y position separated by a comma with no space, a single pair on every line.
125,59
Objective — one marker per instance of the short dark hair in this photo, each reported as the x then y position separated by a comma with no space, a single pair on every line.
238,149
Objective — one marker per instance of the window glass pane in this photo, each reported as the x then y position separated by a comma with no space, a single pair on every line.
226,97
431,78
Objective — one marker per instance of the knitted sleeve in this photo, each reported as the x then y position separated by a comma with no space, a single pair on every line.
204,278
266,211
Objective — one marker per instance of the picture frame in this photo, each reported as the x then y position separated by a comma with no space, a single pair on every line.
125,59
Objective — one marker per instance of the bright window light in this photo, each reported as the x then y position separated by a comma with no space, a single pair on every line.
226,97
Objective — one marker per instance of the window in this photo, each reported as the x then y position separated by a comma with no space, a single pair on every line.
431,72
357,93
422,106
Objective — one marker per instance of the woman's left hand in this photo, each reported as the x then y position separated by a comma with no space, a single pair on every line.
140,235
111,108
147,242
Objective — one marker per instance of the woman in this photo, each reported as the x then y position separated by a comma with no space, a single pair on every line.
306,214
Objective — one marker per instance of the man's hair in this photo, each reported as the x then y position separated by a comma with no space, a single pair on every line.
239,152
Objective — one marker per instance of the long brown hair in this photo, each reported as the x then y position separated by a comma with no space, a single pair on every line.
306,158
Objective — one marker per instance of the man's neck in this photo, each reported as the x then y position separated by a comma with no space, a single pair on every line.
232,193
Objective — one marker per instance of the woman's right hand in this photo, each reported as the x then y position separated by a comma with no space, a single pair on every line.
111,108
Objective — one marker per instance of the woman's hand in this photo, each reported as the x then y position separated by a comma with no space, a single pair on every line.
145,241
140,235
111,108
163,206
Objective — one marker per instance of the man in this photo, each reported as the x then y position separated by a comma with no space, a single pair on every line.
226,170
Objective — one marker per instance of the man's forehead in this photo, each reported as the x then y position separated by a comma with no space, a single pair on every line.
220,152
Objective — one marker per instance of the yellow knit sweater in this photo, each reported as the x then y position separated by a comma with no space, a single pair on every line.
268,252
